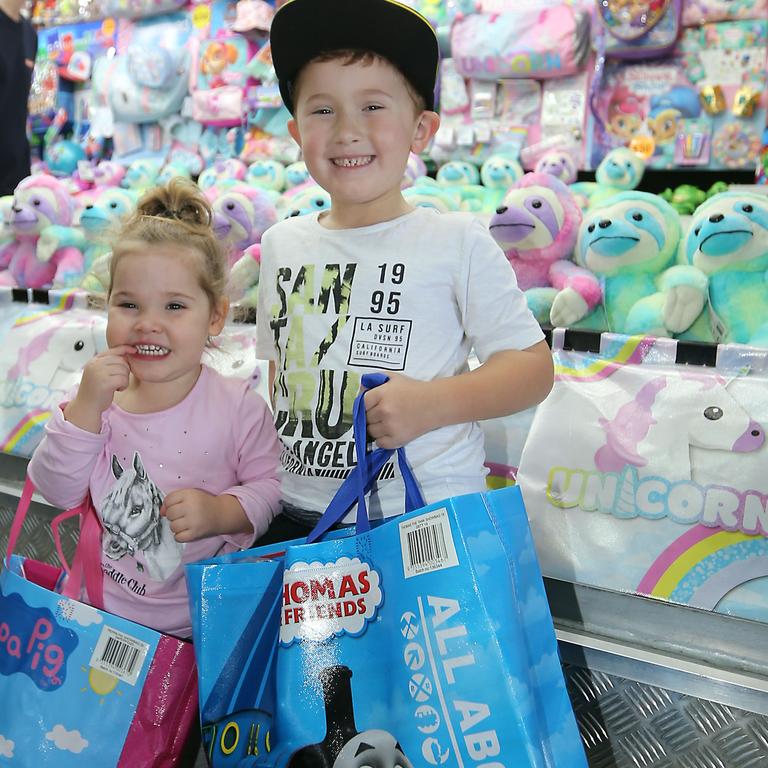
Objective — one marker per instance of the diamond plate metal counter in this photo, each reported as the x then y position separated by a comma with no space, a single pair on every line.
627,724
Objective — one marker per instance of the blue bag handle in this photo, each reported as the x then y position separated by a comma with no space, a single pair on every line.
362,477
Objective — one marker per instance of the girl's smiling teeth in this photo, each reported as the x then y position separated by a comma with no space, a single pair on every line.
352,162
151,350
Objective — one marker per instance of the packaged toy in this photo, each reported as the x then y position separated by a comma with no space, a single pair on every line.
625,280
136,9
536,225
728,241
704,105
697,12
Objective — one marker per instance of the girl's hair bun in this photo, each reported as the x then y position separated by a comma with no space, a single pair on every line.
180,199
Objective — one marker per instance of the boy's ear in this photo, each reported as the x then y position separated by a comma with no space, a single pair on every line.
218,316
293,129
426,128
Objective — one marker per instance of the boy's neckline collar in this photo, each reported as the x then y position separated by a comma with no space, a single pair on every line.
364,227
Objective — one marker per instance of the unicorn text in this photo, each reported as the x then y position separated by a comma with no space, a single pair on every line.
628,495
519,63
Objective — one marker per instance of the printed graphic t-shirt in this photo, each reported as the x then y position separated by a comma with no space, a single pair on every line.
413,296
219,439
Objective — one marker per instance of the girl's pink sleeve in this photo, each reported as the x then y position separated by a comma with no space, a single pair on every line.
62,464
258,455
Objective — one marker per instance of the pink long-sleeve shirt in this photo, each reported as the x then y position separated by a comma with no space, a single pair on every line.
220,439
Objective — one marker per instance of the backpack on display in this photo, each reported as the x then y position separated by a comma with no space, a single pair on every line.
136,9
642,30
219,78
646,29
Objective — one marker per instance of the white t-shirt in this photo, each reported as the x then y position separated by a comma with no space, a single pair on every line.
414,296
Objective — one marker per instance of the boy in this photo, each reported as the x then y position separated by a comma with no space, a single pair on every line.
374,284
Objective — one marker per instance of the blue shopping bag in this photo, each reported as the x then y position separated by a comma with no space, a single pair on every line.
426,640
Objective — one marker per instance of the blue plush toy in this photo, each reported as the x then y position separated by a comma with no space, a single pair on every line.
427,193
266,174
728,242
620,170
457,173
98,222
625,280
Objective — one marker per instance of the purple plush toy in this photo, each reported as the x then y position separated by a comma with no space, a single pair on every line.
536,225
559,164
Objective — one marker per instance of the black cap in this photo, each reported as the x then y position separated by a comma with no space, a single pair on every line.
303,29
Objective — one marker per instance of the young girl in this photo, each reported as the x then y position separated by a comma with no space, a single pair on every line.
180,461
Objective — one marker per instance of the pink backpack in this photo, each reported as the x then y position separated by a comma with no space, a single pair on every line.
219,79
492,46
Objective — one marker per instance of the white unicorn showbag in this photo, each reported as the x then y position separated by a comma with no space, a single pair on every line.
647,476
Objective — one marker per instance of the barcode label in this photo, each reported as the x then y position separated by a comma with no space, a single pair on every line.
119,654
426,543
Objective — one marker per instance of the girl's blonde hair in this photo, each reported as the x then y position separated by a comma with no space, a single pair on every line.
176,213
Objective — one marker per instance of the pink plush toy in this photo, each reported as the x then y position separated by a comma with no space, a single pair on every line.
536,225
241,215
559,164
39,202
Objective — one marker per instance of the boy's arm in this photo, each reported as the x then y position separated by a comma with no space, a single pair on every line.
509,381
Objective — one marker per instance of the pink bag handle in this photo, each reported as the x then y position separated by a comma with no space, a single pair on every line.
19,518
86,565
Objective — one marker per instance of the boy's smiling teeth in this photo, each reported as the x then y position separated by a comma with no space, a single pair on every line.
151,349
352,162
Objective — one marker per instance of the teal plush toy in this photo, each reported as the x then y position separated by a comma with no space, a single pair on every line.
98,222
728,241
624,279
266,174
427,193
620,170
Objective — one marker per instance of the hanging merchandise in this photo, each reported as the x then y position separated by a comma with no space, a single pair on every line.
143,84
703,106
219,79
645,476
553,42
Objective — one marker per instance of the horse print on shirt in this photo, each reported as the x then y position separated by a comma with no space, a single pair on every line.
130,514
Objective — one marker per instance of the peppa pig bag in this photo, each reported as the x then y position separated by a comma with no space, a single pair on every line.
80,685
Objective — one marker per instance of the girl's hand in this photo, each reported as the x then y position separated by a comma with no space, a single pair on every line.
103,375
194,514
191,514
398,411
